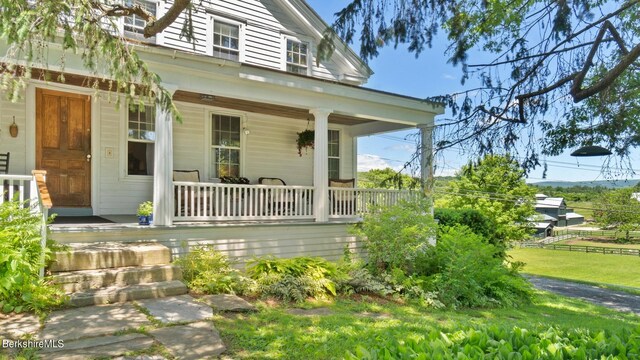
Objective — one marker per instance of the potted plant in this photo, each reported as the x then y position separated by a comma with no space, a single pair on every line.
145,213
305,140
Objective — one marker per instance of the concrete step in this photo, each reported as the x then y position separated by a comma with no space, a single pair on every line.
120,294
109,255
83,280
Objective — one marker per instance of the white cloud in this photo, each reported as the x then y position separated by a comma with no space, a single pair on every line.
367,162
446,172
448,76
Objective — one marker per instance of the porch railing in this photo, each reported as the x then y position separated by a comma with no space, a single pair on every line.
34,189
195,201
206,201
350,202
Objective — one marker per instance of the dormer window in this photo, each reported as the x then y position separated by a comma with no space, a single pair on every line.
226,40
134,24
297,57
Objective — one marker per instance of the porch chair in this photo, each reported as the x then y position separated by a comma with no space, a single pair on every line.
187,197
279,206
4,163
343,203
4,169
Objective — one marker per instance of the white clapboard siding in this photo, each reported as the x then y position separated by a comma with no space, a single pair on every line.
118,193
16,146
241,242
265,23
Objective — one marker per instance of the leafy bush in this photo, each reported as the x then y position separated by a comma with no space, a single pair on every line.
294,279
412,287
207,270
478,222
395,235
466,272
20,260
503,343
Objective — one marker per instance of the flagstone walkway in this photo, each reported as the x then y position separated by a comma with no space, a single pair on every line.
180,326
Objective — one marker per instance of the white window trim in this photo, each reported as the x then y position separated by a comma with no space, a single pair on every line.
124,148
241,35
283,52
209,134
340,151
159,38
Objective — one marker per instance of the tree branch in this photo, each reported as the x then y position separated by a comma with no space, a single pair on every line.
167,19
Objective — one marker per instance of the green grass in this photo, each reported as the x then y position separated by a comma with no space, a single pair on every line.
583,208
611,244
620,270
272,333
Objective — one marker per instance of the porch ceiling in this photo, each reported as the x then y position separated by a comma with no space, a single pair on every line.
262,108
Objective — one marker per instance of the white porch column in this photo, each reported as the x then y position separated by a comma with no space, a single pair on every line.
163,168
321,164
426,162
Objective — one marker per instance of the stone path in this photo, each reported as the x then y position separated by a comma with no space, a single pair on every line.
616,300
180,324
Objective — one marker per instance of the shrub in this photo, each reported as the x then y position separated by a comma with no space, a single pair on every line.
478,222
294,279
20,260
501,343
395,235
207,270
410,287
466,272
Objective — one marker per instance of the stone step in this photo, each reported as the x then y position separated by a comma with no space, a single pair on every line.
120,294
109,255
83,280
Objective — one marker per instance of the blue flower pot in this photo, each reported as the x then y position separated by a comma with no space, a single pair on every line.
144,220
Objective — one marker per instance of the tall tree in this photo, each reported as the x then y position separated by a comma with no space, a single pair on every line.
620,209
88,28
548,57
495,186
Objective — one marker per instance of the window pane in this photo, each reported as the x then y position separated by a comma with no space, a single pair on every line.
140,158
226,41
141,123
334,168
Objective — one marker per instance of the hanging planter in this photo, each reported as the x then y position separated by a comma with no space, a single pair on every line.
305,140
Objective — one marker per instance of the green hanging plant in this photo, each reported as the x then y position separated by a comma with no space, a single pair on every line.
305,140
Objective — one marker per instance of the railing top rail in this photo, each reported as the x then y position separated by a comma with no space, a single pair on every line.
208,184
375,190
16,177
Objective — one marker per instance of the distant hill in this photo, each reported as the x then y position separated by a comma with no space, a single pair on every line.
604,183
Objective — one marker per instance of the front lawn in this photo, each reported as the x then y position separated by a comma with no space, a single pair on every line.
621,270
274,333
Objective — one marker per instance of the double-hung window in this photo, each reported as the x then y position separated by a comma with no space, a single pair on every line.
225,145
226,40
297,57
141,138
334,154
134,24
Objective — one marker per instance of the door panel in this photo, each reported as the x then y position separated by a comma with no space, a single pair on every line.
63,141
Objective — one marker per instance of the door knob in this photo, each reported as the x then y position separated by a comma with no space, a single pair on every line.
88,157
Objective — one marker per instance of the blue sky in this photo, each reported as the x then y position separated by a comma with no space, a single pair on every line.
398,71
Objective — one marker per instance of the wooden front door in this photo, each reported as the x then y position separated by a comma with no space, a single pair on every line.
63,146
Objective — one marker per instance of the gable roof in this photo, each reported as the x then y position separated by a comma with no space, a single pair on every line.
550,202
316,25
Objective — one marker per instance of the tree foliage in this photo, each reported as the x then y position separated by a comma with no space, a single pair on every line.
546,59
386,179
620,209
35,30
494,186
